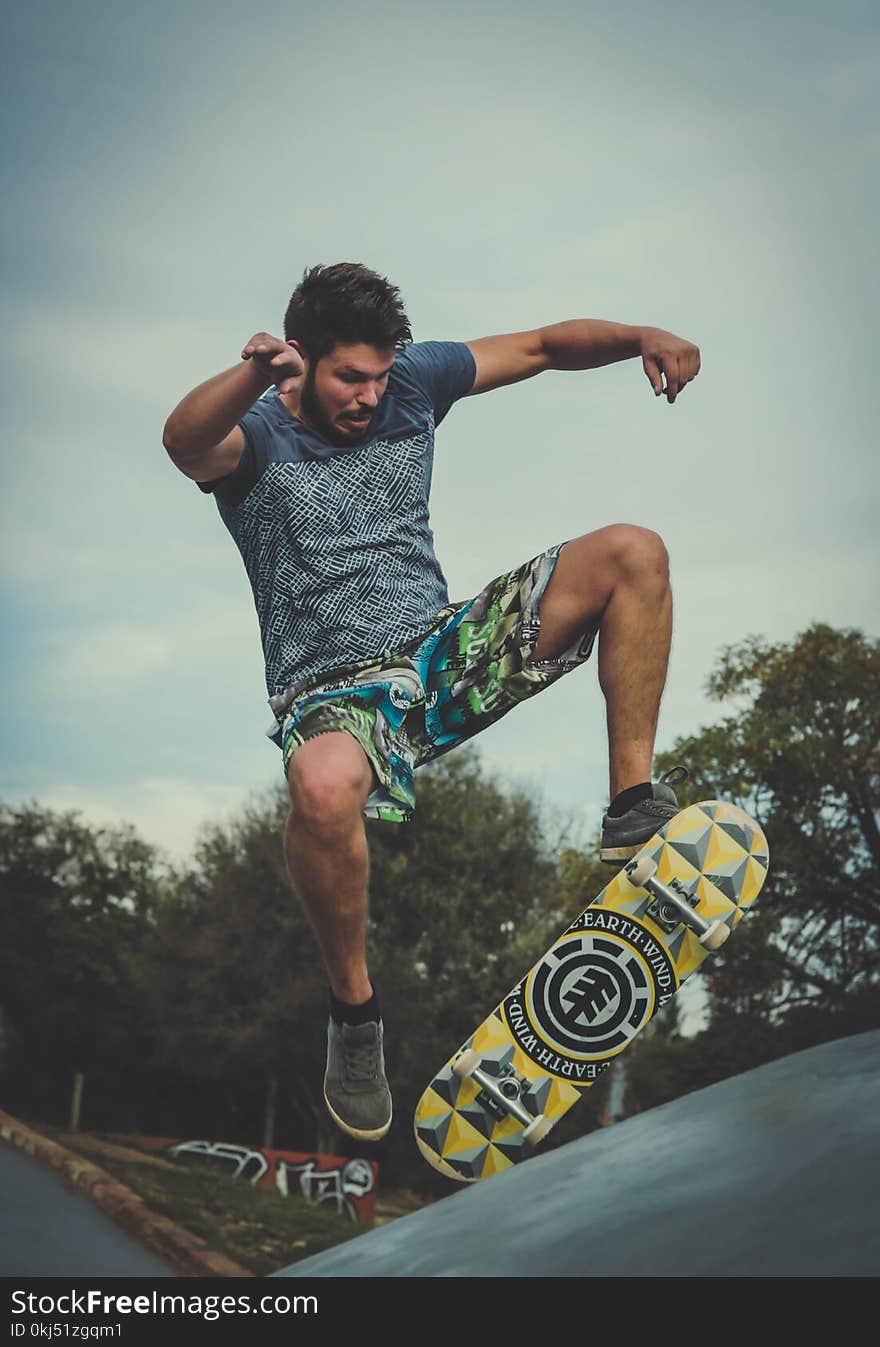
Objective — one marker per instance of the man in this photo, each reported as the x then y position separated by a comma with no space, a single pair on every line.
318,450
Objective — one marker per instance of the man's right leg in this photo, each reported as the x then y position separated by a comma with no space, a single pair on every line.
329,779
325,844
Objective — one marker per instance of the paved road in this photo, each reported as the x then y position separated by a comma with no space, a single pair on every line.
47,1230
772,1173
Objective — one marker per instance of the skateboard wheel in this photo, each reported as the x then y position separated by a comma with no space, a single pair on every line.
537,1130
716,935
641,871
466,1064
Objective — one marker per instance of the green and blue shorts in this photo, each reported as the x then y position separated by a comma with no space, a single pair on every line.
405,708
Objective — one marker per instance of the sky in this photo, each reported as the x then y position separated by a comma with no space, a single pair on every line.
171,170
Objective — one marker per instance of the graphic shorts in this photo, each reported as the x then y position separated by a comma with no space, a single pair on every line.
408,707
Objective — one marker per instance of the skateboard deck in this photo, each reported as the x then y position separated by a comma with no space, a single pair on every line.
585,1000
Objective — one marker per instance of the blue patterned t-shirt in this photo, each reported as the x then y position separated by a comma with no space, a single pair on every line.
336,541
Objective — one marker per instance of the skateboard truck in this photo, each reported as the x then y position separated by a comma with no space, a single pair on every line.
674,904
502,1095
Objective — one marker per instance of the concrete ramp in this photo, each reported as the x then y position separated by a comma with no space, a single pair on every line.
773,1173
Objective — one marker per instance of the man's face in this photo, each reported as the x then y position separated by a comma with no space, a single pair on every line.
341,391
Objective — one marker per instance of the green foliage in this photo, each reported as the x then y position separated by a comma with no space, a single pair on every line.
581,876
256,1227
451,891
235,979
801,754
76,908
237,988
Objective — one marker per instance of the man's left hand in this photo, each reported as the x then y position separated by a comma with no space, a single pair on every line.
664,354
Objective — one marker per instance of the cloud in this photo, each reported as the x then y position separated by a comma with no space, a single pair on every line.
120,652
850,79
167,811
73,563
111,658
104,353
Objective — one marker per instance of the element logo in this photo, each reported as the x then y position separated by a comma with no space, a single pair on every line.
590,994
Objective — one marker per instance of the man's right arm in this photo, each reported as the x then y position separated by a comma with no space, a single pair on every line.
202,434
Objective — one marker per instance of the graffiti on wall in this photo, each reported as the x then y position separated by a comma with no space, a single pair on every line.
346,1186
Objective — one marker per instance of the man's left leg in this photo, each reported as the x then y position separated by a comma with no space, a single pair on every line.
618,578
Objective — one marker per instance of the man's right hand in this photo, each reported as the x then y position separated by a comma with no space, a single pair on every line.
202,434
281,361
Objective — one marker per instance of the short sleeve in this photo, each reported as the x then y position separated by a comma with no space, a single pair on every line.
439,372
233,488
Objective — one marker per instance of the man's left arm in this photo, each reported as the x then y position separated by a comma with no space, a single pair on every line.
583,344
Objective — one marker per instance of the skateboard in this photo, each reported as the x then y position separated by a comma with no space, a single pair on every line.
598,985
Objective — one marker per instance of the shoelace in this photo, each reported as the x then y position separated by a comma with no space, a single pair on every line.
361,1060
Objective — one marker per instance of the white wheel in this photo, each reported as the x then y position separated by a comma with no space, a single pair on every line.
641,871
466,1064
715,936
537,1130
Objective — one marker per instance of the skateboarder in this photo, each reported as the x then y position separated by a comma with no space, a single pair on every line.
318,450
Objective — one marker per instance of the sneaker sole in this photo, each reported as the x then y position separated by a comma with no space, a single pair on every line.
611,855
362,1134
625,851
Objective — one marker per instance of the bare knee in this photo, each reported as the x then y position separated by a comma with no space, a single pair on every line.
638,553
329,779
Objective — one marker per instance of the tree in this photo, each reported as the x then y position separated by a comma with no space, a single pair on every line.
457,901
76,904
237,990
802,754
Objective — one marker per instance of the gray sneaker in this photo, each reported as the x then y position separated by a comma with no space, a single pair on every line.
622,837
355,1089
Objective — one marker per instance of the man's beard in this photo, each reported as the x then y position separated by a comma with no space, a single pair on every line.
316,417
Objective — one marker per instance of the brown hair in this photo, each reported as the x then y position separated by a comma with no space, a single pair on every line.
345,302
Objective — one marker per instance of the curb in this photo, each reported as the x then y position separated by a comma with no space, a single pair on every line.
188,1255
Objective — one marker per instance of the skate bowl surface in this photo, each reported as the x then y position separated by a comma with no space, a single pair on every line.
772,1173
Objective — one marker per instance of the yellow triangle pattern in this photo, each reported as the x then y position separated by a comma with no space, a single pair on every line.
686,823
560,1099
615,891
492,1033
617,895
759,844
431,1105
671,862
495,1163
690,956
723,850
755,876
462,1136
712,901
